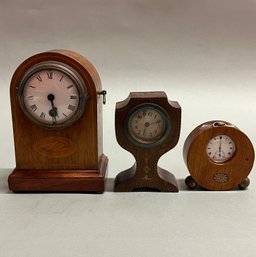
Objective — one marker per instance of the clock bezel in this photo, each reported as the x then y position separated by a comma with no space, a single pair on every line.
68,71
159,140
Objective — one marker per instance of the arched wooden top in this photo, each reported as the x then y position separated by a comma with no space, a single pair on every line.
76,61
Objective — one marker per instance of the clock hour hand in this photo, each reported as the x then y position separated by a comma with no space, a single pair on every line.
146,125
54,111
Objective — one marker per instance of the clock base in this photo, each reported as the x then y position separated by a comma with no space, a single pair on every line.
192,184
161,180
21,180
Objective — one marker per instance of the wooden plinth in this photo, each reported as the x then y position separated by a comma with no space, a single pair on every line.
59,180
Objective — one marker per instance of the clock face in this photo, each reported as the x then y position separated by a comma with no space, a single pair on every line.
220,149
147,124
52,95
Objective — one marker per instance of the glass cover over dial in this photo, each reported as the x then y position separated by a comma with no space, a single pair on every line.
52,95
147,124
220,148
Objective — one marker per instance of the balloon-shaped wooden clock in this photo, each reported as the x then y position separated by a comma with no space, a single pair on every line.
218,156
147,125
57,124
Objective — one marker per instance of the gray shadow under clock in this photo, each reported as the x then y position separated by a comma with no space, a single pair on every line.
4,173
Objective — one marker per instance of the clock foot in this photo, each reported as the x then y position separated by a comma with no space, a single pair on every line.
190,182
21,180
244,184
162,181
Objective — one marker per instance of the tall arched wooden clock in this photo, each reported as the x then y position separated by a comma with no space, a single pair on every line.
57,125
147,125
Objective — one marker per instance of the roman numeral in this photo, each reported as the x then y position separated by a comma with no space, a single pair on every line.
31,97
39,78
50,75
73,97
71,107
42,115
70,86
33,107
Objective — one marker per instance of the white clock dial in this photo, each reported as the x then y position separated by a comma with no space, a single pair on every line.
52,96
220,148
147,125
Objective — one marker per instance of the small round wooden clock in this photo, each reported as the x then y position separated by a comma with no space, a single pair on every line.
147,125
57,124
218,156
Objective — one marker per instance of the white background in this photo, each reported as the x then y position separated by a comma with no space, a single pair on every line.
202,54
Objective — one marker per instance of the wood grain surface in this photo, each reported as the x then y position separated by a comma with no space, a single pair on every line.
77,147
146,174
218,176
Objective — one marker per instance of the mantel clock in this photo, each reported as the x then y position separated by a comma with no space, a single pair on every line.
57,124
147,125
218,156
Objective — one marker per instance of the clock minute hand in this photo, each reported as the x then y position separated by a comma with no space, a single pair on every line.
54,111
155,122
221,152
148,124
220,147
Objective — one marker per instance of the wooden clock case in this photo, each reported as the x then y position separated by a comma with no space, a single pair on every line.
217,176
70,159
145,173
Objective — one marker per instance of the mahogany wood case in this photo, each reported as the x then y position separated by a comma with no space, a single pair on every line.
145,174
67,159
220,176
